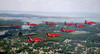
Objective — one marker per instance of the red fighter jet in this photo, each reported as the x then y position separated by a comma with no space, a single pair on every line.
50,23
31,24
80,25
67,30
16,25
90,22
52,35
35,39
69,23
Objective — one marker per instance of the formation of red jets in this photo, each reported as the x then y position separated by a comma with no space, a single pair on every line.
54,34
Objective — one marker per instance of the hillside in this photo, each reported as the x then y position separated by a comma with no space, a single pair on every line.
84,39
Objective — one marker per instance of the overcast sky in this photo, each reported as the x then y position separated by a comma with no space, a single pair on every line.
51,5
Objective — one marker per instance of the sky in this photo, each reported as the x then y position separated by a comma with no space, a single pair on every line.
51,5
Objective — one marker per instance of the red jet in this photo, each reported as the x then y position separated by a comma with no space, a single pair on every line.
69,23
16,25
52,35
35,39
80,25
50,23
90,22
31,24
67,30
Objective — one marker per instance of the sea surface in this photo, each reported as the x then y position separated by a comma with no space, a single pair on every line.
77,17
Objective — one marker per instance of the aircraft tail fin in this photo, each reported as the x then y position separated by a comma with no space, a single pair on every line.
65,23
28,23
75,23
46,22
47,33
85,20
28,37
12,24
62,28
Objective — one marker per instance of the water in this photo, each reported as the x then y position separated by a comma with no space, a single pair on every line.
68,17
42,20
67,14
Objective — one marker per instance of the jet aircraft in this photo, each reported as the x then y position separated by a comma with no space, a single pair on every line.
52,34
50,23
16,25
31,24
69,23
67,30
90,22
80,25
35,39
